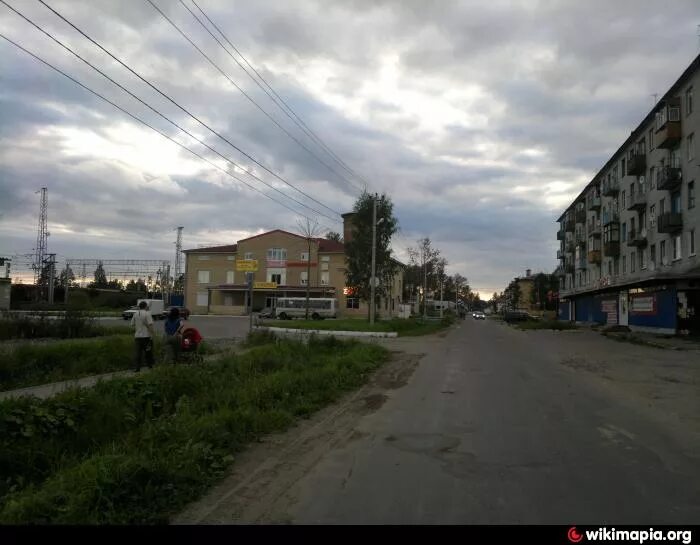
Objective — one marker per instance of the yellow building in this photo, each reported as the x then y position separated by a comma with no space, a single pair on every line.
214,286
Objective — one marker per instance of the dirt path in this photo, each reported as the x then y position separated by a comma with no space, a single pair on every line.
264,473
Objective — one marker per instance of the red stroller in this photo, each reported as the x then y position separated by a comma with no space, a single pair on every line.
189,346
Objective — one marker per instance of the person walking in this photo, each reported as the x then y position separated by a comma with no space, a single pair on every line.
173,334
143,336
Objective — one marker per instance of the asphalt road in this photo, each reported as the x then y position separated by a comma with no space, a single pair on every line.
493,429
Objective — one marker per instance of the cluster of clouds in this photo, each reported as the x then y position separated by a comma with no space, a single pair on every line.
481,121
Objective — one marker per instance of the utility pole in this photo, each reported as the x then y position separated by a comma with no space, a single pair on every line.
41,240
425,284
178,256
374,260
67,286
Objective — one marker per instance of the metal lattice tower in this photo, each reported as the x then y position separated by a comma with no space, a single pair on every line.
178,254
41,237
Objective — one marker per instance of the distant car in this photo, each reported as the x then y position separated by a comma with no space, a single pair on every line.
184,312
478,315
267,312
128,313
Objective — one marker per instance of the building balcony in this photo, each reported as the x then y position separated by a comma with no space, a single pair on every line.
569,268
569,247
594,256
580,215
612,248
594,203
611,188
611,217
669,222
668,135
637,201
594,229
569,226
636,164
637,238
560,254
561,235
668,178
581,264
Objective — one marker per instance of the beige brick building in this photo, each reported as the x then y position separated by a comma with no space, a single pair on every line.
213,286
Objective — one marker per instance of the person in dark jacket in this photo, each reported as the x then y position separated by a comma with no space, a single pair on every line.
173,334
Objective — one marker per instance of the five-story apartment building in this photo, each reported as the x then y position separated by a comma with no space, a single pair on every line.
628,242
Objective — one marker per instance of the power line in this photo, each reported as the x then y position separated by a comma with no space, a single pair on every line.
158,112
185,110
287,108
246,94
138,119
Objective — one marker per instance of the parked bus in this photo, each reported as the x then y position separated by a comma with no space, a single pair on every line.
295,307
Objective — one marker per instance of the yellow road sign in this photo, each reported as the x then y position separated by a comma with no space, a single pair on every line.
247,265
265,285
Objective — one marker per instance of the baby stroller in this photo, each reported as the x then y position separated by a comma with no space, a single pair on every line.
189,346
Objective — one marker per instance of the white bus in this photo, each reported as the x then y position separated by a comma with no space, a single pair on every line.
295,307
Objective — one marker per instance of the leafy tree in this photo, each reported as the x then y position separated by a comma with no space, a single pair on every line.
100,277
66,278
359,249
332,235
426,258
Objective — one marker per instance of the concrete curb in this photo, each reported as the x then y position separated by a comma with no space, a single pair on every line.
382,334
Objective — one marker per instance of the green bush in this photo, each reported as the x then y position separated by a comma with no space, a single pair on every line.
71,324
558,325
135,450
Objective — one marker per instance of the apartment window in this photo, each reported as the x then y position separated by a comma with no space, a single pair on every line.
652,178
651,139
304,256
624,232
624,200
691,146
623,170
652,254
203,257
276,278
304,278
677,247
662,207
325,277
230,277
324,266
616,267
610,268
652,215
633,261
691,195
662,251
676,202
642,220
642,259
203,277
689,101
624,264
277,254
352,302
202,298
691,237
248,255
642,147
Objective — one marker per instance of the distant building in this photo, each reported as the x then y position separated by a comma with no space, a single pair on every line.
214,286
628,242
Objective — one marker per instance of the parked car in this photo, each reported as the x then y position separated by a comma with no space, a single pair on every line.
129,312
184,312
267,312
478,315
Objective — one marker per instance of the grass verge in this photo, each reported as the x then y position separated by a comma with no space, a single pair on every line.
405,328
71,324
137,450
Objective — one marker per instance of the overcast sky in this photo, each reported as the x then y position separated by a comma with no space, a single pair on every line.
481,120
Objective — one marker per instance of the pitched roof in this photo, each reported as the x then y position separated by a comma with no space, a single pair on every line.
270,232
227,249
330,246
